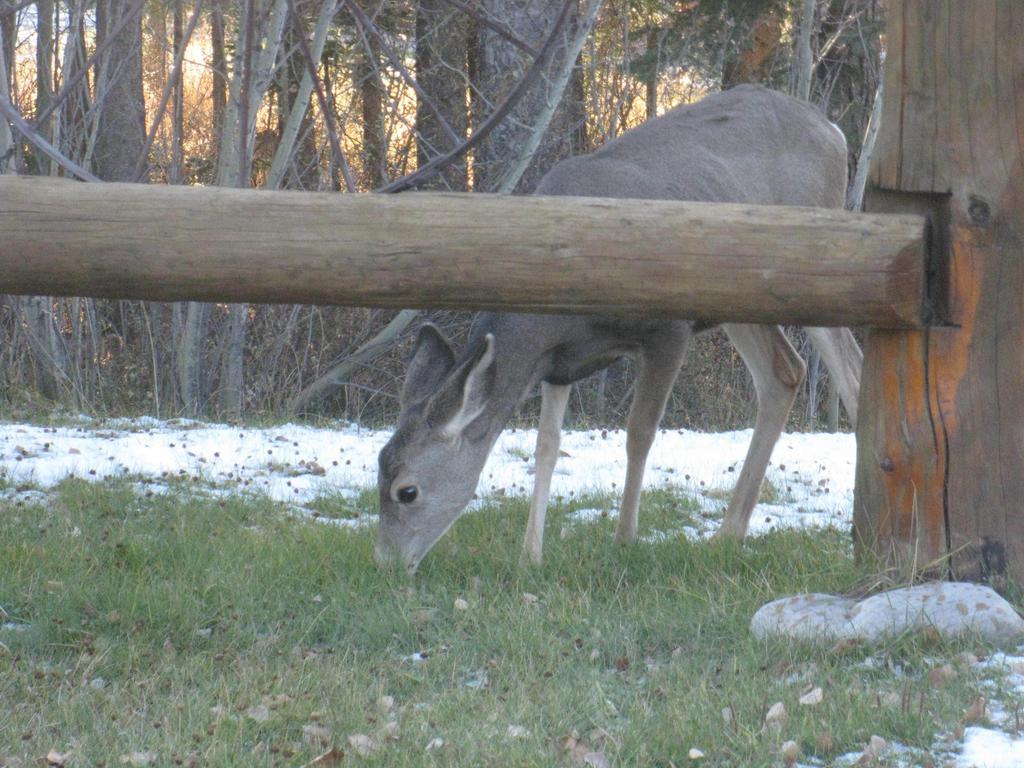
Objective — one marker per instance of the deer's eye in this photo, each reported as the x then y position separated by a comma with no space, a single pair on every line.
407,494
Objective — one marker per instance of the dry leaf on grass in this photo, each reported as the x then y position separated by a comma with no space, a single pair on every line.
333,756
362,745
790,752
435,743
260,713
461,605
695,754
812,697
939,676
57,759
316,735
776,716
976,712
138,758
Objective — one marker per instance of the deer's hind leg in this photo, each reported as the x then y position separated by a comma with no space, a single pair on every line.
554,398
658,364
844,359
777,371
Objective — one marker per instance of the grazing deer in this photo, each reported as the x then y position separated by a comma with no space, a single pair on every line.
747,145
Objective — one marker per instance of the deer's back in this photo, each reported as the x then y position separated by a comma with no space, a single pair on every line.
746,145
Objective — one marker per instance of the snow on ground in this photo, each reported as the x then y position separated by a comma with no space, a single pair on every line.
813,473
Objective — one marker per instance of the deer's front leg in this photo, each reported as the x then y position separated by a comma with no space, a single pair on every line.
658,366
554,398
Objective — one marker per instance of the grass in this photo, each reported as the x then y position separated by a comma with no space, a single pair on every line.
221,632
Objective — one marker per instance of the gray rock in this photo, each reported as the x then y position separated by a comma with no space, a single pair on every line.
952,609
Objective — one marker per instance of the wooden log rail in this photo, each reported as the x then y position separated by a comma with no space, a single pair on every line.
703,261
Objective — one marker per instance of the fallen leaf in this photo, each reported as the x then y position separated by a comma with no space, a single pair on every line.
790,752
776,716
260,713
363,745
316,735
435,743
333,756
844,646
695,754
138,758
976,712
876,746
461,605
939,676
390,730
823,743
55,758
812,698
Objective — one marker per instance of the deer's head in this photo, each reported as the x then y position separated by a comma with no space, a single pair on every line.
430,467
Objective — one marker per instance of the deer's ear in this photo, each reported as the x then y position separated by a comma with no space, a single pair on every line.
432,361
465,395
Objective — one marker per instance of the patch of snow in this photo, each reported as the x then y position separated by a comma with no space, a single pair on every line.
813,473
587,515
986,748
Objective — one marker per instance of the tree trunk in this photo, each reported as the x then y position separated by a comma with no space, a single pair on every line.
651,83
219,65
44,71
372,110
499,66
442,45
7,147
804,53
940,447
288,168
176,175
121,132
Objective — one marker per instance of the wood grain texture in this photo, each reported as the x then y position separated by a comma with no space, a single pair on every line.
940,474
540,254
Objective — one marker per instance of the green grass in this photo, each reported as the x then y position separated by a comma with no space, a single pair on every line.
213,631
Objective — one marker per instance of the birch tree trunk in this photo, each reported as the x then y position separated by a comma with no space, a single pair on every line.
295,107
499,66
804,54
7,148
234,168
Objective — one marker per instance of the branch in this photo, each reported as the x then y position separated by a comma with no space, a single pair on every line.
494,119
490,23
511,178
367,24
332,132
338,374
142,167
9,111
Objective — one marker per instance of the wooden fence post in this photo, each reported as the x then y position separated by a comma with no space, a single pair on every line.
940,455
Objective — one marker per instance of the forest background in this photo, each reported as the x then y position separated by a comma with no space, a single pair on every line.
357,96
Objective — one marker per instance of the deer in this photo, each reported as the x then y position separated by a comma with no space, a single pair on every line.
745,145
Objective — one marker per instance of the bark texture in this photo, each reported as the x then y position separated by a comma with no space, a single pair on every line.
940,442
